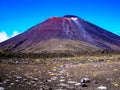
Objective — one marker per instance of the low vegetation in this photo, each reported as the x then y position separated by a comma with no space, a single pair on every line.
54,54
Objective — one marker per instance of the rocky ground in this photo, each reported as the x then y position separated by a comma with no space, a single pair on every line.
74,73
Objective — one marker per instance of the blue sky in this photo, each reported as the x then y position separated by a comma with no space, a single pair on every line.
16,16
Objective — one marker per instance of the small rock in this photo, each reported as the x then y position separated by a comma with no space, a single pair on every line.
54,78
71,82
22,85
35,79
54,69
62,80
77,84
49,80
85,80
16,80
12,84
32,82
5,81
18,77
102,87
1,88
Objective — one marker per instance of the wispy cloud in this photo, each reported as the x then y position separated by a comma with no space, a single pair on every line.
4,36
15,33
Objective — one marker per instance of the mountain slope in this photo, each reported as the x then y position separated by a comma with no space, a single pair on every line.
63,33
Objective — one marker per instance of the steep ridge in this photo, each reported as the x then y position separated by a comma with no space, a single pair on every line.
63,33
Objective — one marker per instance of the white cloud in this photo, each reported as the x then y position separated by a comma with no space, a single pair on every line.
4,36
14,33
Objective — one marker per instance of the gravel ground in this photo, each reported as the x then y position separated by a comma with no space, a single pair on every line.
82,73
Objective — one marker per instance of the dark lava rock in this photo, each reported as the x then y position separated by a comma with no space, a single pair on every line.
69,16
84,85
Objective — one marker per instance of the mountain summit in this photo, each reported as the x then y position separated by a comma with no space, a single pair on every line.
70,16
63,33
